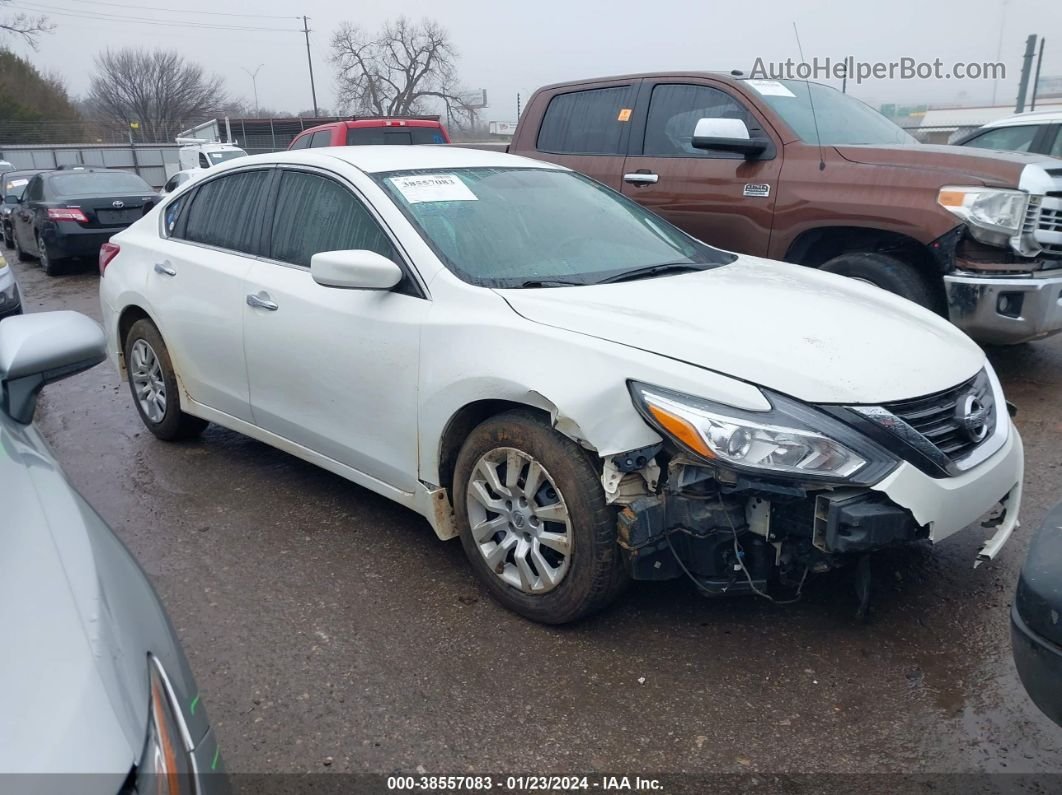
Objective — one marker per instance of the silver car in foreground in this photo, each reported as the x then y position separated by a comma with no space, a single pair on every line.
93,679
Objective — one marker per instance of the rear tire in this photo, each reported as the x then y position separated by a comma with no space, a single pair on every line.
886,272
8,240
21,255
53,267
564,586
153,384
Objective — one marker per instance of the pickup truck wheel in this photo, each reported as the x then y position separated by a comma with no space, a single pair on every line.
885,272
533,519
154,385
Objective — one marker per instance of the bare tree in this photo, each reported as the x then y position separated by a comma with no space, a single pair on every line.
28,26
158,90
405,68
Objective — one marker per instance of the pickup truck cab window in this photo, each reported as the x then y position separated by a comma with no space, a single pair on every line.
674,111
588,122
840,119
322,138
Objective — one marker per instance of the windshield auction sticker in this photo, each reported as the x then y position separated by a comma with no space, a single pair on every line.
770,88
433,188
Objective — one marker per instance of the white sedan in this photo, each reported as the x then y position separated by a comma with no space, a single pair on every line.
580,391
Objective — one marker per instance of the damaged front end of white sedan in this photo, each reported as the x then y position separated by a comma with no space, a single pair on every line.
755,501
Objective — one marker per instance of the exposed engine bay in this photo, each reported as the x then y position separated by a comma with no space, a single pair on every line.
733,534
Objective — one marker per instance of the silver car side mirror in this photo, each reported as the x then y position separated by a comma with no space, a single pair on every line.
40,348
354,270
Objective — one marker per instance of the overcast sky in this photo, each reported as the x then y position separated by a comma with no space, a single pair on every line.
509,47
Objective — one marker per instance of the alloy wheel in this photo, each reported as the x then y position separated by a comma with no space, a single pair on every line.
42,252
148,382
519,520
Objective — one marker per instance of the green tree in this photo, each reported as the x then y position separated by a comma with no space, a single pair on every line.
34,107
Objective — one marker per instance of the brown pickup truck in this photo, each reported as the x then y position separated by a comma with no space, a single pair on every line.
800,172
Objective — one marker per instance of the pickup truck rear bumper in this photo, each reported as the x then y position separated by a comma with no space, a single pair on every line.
1004,310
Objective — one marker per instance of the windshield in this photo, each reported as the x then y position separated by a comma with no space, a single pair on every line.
513,227
97,183
841,118
225,154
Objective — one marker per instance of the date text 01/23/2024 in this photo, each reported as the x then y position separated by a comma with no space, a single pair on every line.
532,783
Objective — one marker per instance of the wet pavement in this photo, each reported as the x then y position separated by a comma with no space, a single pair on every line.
330,630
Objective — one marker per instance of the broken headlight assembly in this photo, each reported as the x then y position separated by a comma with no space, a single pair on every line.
994,216
792,440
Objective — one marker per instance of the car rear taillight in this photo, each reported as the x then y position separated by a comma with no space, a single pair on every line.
108,251
67,214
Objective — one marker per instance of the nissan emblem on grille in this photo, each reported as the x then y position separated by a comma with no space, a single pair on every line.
118,204
973,418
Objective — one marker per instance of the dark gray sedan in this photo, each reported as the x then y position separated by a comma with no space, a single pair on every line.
1036,618
93,677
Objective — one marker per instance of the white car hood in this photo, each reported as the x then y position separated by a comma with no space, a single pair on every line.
815,336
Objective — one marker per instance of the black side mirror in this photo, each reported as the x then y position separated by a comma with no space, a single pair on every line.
11,198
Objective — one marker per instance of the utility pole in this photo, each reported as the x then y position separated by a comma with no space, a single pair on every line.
309,61
1036,79
254,82
518,106
1026,67
999,45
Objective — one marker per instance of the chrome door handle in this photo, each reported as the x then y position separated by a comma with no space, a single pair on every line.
639,178
164,269
261,301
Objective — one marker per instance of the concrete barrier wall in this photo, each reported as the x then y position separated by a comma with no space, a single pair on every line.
154,163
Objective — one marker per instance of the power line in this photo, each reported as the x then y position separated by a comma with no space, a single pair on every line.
75,14
190,11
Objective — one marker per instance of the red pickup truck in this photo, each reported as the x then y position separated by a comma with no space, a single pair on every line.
377,130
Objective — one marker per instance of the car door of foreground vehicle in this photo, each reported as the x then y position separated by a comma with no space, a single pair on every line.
334,370
196,284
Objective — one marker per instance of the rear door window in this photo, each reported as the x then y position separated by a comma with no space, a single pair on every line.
592,122
322,138
1006,139
315,213
225,212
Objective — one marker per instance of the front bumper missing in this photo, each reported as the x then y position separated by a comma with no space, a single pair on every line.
1005,310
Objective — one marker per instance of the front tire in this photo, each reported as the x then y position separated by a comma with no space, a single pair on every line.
533,519
886,272
8,239
154,385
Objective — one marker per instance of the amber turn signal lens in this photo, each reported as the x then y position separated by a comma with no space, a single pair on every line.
681,430
951,198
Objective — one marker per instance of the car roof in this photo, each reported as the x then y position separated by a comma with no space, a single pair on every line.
379,158
1052,116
